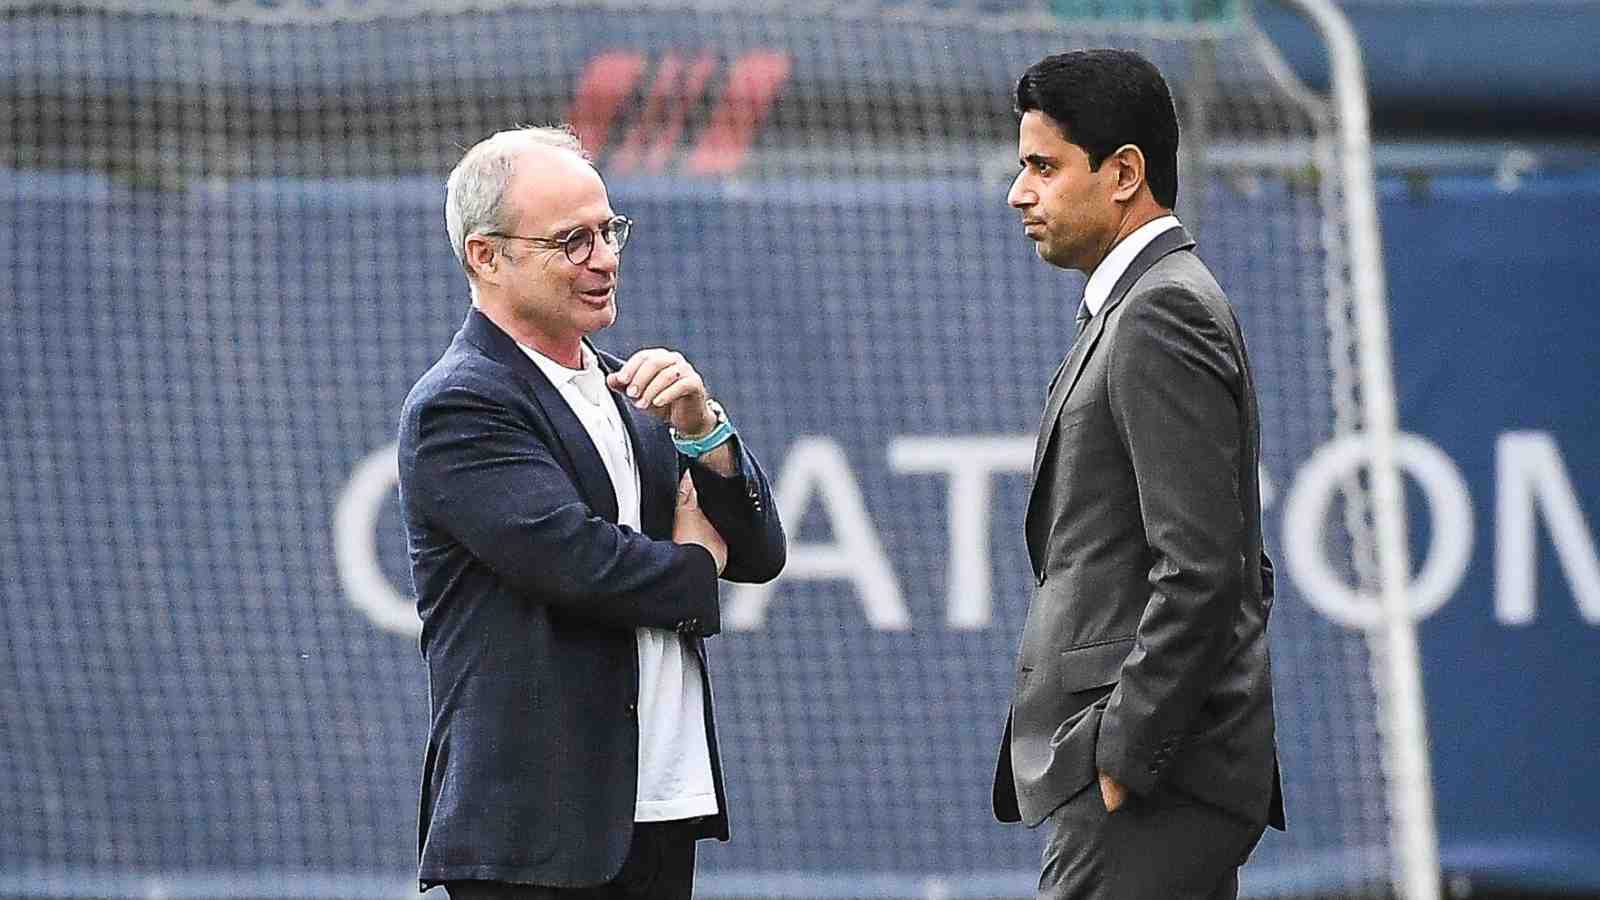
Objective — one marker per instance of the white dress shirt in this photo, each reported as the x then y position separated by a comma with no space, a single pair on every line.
1105,275
674,755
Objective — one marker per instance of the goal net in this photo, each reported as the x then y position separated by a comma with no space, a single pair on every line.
224,264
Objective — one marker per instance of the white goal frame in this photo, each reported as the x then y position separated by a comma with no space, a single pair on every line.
1393,642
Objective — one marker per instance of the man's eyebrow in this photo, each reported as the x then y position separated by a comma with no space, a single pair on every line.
1036,159
567,226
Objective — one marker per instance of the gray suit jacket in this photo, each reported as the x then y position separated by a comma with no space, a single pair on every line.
1145,649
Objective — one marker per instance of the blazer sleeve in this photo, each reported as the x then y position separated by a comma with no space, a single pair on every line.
1175,394
481,473
740,507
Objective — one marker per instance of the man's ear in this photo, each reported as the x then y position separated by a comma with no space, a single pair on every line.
480,255
1128,161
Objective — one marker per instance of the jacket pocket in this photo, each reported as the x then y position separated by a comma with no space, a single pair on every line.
1072,416
1090,666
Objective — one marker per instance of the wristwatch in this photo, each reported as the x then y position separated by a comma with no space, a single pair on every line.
696,447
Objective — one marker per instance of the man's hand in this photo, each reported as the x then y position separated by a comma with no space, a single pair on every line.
1112,793
663,383
690,525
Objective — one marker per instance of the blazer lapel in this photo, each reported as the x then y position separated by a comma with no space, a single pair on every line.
575,450
1066,378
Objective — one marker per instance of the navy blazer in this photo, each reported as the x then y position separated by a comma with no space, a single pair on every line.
530,593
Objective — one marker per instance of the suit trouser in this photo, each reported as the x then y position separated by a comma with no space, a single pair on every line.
1164,847
659,866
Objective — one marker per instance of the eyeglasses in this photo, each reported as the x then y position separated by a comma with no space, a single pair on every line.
578,244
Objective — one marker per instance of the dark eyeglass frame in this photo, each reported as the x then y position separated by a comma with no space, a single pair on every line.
578,244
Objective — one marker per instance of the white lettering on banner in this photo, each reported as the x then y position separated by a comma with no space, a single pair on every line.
1530,477
1532,480
355,544
970,462
817,466
1305,516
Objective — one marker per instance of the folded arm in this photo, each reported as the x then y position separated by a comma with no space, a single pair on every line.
733,491
740,506
490,481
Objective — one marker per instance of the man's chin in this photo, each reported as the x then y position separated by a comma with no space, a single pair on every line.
1055,256
603,317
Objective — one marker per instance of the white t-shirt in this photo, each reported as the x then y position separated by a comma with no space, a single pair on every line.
674,755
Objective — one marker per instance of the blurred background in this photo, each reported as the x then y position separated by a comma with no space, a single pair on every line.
223,263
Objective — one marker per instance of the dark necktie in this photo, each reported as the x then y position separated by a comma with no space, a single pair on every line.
1082,319
1083,316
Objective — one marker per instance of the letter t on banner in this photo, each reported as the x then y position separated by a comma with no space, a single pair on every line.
969,461
817,467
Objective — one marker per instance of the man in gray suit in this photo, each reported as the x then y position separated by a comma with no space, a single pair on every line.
1141,722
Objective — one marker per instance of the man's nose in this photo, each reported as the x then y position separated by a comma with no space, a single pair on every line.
1020,197
605,257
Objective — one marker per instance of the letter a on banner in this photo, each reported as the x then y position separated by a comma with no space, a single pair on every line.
816,467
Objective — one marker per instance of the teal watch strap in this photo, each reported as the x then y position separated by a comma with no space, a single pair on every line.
695,448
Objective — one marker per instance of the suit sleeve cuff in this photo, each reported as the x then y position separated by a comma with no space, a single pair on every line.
1112,757
707,619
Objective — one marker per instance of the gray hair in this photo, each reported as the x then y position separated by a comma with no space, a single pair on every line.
474,200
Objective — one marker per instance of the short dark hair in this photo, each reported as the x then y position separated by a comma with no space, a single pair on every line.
1103,99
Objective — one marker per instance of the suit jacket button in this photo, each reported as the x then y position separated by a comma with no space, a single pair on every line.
630,709
1040,579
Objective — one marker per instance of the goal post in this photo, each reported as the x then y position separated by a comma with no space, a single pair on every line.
226,263
1399,666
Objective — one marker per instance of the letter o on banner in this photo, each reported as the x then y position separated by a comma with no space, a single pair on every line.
355,544
1306,512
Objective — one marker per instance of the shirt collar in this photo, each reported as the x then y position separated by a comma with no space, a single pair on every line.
560,375
1106,275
